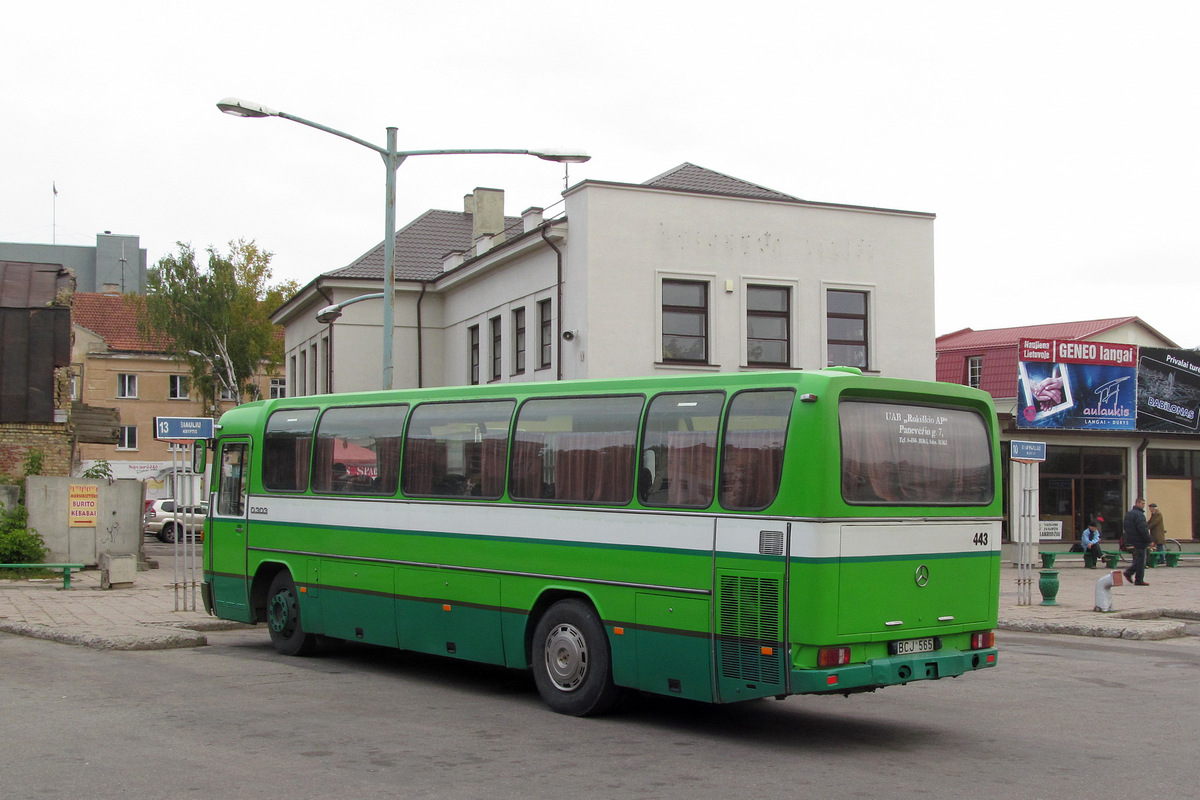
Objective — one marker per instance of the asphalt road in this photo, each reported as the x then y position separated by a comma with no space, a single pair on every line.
1061,717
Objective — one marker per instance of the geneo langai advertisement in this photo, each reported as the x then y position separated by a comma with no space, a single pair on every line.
1168,397
1077,385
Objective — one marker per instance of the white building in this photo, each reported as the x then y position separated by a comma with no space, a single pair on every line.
692,270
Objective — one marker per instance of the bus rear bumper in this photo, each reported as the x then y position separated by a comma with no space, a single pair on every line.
891,671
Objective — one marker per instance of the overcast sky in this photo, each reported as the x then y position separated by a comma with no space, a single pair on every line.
1055,141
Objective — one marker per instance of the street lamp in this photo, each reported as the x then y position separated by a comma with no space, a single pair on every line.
392,159
213,367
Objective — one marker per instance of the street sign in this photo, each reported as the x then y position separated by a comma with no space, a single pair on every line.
1027,452
182,429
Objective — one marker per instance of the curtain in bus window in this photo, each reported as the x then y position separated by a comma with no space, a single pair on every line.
495,459
388,453
285,463
527,466
594,467
424,465
751,468
691,467
914,455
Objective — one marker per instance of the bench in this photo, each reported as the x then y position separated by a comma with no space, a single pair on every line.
1050,556
66,569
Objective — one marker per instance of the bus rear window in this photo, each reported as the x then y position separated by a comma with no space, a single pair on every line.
899,454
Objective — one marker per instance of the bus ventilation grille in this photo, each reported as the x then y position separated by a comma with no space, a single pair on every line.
770,543
750,623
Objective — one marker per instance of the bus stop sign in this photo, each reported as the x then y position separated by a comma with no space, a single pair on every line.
182,429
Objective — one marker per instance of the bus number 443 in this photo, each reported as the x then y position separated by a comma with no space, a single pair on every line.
981,539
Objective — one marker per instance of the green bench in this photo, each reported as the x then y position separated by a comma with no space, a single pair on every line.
66,569
1049,557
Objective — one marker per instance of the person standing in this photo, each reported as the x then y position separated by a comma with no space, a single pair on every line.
1137,536
1158,531
1091,543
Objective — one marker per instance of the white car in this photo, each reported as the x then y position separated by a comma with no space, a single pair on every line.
163,518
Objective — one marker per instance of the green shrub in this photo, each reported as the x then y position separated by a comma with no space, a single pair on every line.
18,544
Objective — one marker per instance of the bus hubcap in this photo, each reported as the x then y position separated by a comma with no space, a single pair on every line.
279,613
566,657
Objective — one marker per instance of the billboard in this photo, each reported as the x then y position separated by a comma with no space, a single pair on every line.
1168,390
1077,385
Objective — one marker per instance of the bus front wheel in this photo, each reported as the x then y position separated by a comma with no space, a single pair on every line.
283,618
572,664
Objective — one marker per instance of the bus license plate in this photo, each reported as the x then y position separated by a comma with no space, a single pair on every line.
907,647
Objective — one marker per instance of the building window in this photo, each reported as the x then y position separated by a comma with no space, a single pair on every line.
127,386
518,322
127,439
473,347
177,387
768,326
546,330
278,388
497,343
302,373
846,320
974,371
228,395
685,321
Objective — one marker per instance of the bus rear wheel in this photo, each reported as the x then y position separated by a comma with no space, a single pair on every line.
572,663
283,619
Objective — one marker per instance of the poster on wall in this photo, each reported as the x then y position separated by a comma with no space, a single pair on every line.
1077,385
1168,390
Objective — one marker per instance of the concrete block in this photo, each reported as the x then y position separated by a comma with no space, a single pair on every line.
117,570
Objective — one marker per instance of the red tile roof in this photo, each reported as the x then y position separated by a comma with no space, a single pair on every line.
969,339
998,348
114,318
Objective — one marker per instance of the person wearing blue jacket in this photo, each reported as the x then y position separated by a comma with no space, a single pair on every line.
1091,542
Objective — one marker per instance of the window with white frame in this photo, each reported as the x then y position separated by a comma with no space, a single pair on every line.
127,386
278,388
846,331
228,395
177,387
127,438
768,326
685,321
974,371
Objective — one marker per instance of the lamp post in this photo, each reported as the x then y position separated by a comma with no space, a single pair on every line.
213,368
392,159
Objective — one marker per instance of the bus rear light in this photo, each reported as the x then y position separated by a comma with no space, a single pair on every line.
767,651
982,640
833,656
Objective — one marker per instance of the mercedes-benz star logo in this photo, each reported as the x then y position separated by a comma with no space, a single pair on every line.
922,576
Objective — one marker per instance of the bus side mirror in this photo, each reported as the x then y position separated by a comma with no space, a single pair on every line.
199,456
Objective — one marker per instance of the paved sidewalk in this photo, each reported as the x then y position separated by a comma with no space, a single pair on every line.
144,617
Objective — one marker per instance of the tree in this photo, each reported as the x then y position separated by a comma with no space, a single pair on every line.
222,312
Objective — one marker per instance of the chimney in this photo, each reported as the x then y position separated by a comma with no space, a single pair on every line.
531,218
487,209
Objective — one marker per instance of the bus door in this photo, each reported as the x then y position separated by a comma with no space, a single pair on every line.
226,548
751,599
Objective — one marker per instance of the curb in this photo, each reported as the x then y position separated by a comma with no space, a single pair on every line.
118,637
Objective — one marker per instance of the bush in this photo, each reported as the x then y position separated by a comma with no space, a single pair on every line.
18,544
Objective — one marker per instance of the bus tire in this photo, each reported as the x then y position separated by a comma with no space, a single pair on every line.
283,618
572,663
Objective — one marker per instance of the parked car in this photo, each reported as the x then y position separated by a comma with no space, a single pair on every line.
163,518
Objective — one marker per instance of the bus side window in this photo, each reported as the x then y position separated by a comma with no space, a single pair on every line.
287,449
752,453
231,492
679,459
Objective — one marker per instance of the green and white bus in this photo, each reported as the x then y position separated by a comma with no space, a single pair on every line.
713,537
